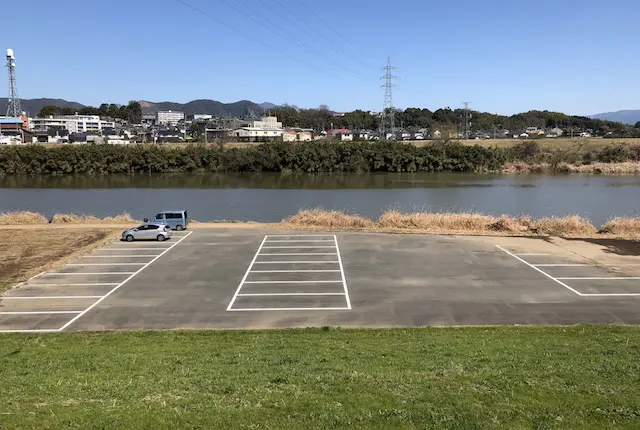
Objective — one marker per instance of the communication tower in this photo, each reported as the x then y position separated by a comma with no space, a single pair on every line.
13,104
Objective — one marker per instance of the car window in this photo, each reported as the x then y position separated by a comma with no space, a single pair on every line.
141,227
152,227
174,215
159,216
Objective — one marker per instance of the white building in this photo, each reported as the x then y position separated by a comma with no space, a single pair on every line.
72,123
168,117
202,117
267,128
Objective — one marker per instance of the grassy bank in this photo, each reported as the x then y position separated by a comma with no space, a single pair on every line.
419,222
317,156
27,252
455,378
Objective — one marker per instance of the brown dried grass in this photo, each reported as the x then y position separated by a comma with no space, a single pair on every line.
22,218
571,225
329,219
124,218
436,221
622,226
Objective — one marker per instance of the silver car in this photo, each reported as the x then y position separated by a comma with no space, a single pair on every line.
148,231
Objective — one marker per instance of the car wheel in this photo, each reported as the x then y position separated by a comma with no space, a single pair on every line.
160,238
129,238
179,227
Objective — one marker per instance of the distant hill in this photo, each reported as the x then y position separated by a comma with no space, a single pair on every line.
33,106
267,105
624,116
212,107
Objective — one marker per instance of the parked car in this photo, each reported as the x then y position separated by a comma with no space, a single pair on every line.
175,219
148,231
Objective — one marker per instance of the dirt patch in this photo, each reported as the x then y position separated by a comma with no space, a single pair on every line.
29,251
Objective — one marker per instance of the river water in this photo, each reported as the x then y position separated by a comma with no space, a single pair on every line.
272,197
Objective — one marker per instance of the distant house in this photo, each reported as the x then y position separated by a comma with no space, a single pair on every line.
361,135
554,132
297,135
341,134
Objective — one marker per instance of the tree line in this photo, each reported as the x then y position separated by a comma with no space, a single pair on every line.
322,119
131,112
309,157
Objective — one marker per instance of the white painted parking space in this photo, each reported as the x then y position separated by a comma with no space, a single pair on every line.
78,287
294,273
582,282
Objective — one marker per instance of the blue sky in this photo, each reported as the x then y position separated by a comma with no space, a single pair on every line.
503,56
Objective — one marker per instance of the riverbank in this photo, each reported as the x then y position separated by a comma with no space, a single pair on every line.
502,377
317,157
391,221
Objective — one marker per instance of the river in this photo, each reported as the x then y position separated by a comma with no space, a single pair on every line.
268,197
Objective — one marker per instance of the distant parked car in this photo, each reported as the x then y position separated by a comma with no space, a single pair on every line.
176,219
159,232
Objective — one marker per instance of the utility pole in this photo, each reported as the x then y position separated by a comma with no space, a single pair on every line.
387,125
466,121
13,104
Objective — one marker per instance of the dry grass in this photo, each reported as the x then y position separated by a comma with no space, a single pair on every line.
29,251
622,226
629,168
331,219
90,219
571,225
435,221
22,218
465,223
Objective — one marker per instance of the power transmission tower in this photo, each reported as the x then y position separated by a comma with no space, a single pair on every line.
387,125
13,104
465,123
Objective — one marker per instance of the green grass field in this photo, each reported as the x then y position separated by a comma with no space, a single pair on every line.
585,377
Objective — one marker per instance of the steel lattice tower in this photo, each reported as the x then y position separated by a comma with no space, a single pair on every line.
13,103
387,125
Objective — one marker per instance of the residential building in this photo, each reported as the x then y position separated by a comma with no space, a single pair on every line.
297,135
266,129
361,135
71,123
202,117
169,117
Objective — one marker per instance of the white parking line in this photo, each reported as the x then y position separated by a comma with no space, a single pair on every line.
287,309
292,282
293,241
530,255
302,253
246,274
46,297
300,235
86,273
114,289
120,256
296,247
134,249
105,264
293,271
289,294
298,262
103,284
564,265
39,312
36,330
344,280
604,278
611,295
539,270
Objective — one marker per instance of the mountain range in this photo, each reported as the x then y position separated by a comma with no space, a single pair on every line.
212,107
624,116
239,108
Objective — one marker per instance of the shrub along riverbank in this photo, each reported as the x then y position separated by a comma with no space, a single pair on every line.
312,157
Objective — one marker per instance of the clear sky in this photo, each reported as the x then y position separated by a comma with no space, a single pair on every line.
503,56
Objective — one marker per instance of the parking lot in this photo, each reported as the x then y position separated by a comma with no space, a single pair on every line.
252,278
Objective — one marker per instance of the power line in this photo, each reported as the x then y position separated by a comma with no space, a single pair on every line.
297,25
247,35
287,35
332,28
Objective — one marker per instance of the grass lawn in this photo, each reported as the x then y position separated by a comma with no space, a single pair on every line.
585,377
27,251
